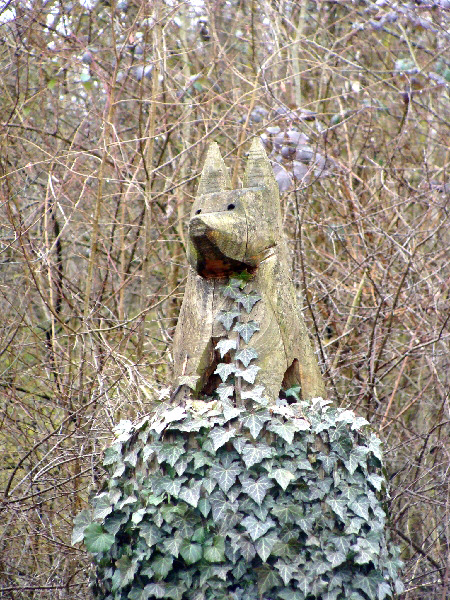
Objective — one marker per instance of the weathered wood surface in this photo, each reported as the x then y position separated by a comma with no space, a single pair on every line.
229,231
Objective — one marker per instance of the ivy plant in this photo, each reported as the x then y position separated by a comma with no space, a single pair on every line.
232,498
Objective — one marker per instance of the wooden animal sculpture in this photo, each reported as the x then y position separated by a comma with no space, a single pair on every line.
231,231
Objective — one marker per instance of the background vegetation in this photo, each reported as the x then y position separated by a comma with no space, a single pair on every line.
106,110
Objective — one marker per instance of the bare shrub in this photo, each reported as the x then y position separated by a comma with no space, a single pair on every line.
105,111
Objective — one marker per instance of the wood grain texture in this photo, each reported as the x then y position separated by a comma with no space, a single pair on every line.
231,231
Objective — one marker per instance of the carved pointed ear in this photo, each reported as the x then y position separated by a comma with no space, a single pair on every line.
215,176
259,170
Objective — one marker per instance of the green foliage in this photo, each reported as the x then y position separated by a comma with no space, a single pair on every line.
242,506
227,498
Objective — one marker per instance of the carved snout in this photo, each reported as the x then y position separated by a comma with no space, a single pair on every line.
217,244
197,228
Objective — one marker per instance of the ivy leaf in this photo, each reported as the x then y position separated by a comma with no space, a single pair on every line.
345,416
209,484
294,392
113,523
96,539
306,524
340,431
126,501
191,494
232,288
155,590
102,506
282,476
191,552
375,445
225,345
354,526
224,370
364,556
358,422
283,410
239,444
175,592
288,594
255,527
220,506
248,301
304,582
284,430
328,461
131,457
175,414
138,515
358,456
249,374
200,460
137,593
181,467
150,533
246,355
267,579
221,572
256,489
227,318
256,394
255,422
384,590
170,453
336,557
286,570
124,573
230,412
204,506
338,506
225,391
340,542
162,566
173,486
245,546
220,436
369,583
112,454
360,507
216,552
265,545
246,330
119,470
349,492
253,455
225,475
150,450
376,480
335,593
80,522
289,513
123,430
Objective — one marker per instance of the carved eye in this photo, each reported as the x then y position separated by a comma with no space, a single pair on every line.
197,212
230,207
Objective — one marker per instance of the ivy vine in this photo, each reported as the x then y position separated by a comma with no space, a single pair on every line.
230,498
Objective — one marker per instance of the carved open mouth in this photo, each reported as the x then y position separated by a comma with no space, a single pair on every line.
212,263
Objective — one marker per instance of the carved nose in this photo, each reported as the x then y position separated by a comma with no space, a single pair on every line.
197,227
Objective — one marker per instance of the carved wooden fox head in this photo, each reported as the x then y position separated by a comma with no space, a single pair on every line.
233,230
